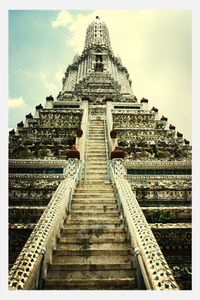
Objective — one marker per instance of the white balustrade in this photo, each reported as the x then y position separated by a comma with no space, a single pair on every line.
153,266
31,264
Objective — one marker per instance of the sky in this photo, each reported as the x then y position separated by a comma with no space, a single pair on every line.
154,45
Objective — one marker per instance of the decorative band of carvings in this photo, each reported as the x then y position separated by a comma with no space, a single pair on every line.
156,267
30,226
37,176
158,164
24,272
171,226
38,162
159,171
157,177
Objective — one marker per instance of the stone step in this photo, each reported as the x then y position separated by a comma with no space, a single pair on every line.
96,177
94,147
84,274
93,284
98,170
96,126
97,129
96,152
93,133
94,220
99,163
93,230
91,172
93,200
100,193
96,194
90,164
85,239
93,227
90,221
99,146
93,188
93,259
86,233
94,162
89,195
102,169
91,214
90,267
93,208
96,136
87,245
96,141
96,173
89,184
96,156
102,183
87,249
89,275
96,239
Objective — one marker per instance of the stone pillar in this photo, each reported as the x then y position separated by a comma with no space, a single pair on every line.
82,69
79,71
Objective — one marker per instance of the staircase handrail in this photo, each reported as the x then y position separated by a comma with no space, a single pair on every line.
153,266
86,134
106,140
109,121
37,252
84,127
106,145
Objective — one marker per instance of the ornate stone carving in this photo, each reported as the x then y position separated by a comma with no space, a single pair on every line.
159,273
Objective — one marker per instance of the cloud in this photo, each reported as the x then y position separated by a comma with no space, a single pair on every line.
49,85
76,25
59,75
63,19
25,72
16,103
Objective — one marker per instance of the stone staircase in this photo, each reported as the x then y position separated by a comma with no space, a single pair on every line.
93,251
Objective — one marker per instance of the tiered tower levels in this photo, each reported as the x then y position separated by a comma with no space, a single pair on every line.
156,156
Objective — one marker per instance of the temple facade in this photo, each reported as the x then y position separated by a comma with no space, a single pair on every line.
99,185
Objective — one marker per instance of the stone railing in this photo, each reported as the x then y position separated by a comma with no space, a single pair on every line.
84,126
151,263
109,126
31,264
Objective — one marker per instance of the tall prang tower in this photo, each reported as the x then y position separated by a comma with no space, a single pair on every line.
97,73
99,185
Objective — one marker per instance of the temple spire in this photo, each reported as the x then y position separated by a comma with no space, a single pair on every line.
97,34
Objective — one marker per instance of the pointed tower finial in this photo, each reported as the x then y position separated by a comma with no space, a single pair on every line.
97,34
